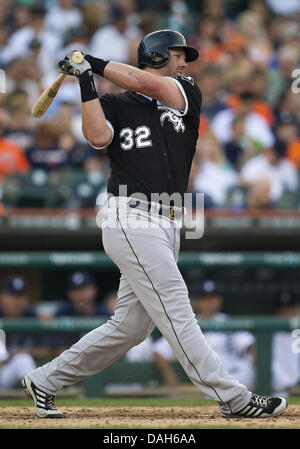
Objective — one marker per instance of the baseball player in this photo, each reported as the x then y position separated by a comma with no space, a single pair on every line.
150,132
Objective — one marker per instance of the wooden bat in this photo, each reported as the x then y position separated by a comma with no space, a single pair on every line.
45,100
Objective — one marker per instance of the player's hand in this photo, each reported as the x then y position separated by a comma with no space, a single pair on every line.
69,67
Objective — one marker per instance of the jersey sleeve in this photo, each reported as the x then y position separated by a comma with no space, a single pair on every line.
192,95
106,102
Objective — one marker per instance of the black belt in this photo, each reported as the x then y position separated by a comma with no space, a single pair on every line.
156,208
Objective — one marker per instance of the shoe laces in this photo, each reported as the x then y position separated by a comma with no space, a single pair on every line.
261,401
49,402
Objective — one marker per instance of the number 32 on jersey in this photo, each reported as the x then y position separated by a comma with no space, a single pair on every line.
138,138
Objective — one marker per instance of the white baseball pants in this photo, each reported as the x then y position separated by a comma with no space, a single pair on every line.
151,292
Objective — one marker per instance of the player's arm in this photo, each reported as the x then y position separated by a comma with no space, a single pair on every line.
94,124
131,78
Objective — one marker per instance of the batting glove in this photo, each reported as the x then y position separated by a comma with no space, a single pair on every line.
84,74
69,67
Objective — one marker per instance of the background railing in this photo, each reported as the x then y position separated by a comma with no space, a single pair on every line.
99,260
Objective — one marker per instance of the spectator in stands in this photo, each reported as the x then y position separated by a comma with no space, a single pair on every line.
18,99
235,51
21,350
16,74
12,158
112,41
66,122
24,75
87,185
245,78
213,8
48,153
251,27
258,87
210,84
288,107
287,131
236,80
260,8
18,126
268,176
235,349
240,147
3,41
20,15
147,23
256,127
215,176
285,362
94,15
207,40
64,118
180,18
62,17
75,38
288,8
20,40
280,77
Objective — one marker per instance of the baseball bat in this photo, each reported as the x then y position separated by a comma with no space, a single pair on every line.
45,100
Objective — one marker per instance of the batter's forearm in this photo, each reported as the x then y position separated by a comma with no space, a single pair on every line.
146,83
141,81
123,75
94,126
129,78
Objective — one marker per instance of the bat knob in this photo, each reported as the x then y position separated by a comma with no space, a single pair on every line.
77,57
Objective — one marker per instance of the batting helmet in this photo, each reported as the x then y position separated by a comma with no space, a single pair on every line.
153,49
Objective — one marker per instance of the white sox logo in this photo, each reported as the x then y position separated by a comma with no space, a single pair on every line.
173,118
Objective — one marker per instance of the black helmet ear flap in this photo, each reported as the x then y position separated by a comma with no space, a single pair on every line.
157,57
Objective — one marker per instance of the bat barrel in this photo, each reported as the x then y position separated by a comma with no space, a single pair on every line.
45,100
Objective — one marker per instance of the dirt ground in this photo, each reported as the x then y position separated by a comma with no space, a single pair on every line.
145,417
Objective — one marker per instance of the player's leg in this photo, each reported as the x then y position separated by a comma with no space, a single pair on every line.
98,349
147,258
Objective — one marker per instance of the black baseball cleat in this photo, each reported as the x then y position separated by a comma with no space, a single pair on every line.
260,407
44,402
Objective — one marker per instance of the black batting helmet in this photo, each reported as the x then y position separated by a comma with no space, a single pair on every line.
153,49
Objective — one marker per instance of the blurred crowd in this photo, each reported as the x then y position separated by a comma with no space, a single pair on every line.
236,349
248,151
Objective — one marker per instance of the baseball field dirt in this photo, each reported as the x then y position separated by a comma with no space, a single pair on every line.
133,417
